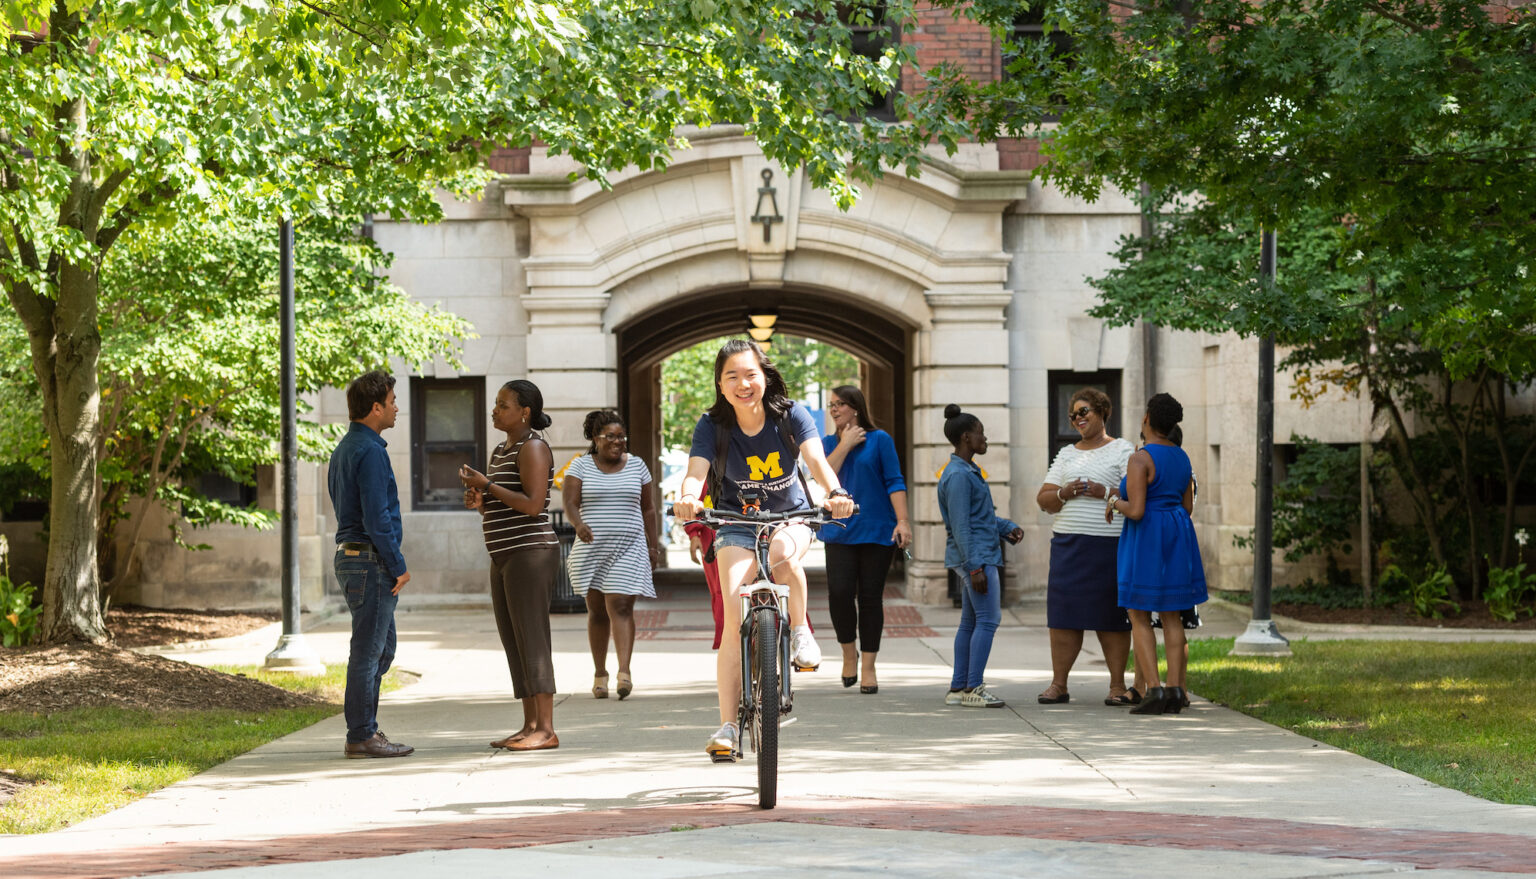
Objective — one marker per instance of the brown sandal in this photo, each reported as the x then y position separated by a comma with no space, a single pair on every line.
1054,695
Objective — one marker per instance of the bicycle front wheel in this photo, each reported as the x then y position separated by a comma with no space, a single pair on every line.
765,700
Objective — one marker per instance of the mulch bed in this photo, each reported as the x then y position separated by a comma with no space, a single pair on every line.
1473,615
58,677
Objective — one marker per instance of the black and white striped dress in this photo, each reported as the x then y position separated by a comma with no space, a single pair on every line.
506,530
616,561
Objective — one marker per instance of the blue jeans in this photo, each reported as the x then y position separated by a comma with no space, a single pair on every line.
367,587
979,616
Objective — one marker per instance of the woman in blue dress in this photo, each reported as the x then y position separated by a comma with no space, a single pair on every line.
1159,559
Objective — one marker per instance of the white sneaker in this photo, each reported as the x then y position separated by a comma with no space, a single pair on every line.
953,697
723,745
980,698
807,654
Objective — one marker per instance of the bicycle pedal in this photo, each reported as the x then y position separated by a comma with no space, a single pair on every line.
799,667
724,756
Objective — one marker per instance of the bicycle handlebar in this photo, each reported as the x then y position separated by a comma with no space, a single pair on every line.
816,516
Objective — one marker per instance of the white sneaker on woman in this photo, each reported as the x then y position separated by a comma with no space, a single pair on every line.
723,745
807,653
980,698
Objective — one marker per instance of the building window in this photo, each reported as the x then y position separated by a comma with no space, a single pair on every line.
1029,30
870,36
1063,384
447,431
217,487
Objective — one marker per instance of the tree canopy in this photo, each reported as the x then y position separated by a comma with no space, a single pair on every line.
131,114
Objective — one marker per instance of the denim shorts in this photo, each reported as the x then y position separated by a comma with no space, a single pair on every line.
740,536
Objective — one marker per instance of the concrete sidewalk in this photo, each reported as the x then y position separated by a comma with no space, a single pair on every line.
894,781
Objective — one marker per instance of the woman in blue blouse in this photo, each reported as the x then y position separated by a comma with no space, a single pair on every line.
859,556
972,549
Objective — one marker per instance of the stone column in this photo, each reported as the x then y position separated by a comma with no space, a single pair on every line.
962,358
573,360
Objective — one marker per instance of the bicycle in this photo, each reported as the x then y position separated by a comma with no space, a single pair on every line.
764,633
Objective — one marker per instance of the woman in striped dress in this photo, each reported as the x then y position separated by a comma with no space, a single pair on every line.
1081,591
513,500
609,503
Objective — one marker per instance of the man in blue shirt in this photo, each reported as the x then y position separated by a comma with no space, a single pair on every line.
368,563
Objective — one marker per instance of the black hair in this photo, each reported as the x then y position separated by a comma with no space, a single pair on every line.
594,423
957,424
1176,436
1164,413
529,397
854,397
775,394
365,390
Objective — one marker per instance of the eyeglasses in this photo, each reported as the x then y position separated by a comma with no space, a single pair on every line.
613,439
837,404
1083,412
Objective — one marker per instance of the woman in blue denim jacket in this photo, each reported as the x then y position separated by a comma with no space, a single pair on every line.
973,550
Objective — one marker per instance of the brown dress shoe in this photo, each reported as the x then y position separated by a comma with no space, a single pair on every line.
378,746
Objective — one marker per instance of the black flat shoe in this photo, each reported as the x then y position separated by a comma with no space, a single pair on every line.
1155,702
870,691
848,682
1061,697
1176,700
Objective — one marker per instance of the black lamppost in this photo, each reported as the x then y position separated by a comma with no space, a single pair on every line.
292,654
1261,637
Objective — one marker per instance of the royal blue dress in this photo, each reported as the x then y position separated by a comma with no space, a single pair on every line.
1159,559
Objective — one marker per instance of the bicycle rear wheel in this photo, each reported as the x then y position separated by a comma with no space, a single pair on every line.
765,701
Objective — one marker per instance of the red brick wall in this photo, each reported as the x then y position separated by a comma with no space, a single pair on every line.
509,160
1019,154
937,37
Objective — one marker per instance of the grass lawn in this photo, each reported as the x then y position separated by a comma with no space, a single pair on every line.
88,761
1462,715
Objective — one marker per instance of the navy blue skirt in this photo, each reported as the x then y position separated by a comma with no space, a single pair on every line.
1082,592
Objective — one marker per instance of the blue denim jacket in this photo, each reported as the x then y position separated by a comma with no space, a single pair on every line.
362,485
972,527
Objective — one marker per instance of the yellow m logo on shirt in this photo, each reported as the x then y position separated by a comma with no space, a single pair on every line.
763,469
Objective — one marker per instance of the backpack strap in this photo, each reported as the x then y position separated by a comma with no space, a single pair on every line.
722,448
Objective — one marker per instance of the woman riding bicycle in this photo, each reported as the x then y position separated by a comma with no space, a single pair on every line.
749,442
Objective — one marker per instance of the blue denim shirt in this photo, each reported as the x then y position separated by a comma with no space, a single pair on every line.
362,486
973,530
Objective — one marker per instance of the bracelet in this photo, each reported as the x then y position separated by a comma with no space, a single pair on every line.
1058,495
840,492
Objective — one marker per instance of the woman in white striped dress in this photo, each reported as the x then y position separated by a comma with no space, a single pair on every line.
609,502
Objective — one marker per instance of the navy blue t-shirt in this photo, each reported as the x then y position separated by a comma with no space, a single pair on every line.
763,463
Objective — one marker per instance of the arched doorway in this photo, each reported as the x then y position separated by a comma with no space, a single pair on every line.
882,343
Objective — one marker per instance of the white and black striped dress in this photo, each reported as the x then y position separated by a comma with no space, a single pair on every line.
616,561
507,530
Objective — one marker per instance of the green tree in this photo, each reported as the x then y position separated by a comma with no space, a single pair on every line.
119,115
688,379
1391,144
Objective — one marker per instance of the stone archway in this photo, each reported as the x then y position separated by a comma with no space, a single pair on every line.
882,344
912,279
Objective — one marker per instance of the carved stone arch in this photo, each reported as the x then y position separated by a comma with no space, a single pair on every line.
912,278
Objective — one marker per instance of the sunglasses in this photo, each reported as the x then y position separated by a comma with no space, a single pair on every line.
1082,412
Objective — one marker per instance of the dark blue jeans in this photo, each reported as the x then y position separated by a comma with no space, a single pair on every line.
367,587
979,617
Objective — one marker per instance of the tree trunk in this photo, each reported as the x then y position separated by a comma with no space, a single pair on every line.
1401,454
71,403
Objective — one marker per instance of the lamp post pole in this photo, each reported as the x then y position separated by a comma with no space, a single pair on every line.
1261,637
292,654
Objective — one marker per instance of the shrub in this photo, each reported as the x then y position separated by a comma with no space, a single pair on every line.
1432,594
1507,591
18,615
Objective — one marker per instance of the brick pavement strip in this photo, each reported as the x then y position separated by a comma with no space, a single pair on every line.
1421,849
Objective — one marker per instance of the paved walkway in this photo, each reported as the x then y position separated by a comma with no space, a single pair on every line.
894,782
